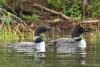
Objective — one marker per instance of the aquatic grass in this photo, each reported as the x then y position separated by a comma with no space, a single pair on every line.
9,35
13,29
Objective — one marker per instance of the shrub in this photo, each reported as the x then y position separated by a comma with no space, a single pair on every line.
2,2
95,11
72,9
30,18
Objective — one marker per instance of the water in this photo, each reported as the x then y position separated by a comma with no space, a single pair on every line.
11,58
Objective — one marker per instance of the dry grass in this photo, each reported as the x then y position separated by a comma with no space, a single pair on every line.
90,38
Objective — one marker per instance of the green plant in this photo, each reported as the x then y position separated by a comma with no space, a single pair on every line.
2,2
95,11
7,35
12,30
30,18
58,4
72,9
6,19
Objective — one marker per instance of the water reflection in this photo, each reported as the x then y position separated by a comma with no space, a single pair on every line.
80,59
59,59
63,60
53,57
49,59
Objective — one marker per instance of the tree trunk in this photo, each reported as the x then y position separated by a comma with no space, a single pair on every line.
85,5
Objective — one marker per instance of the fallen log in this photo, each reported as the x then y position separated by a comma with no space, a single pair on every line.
63,15
51,11
91,21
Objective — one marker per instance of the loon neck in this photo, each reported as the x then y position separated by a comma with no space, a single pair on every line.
77,38
37,34
38,39
75,35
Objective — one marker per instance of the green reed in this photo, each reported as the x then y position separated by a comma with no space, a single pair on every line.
9,35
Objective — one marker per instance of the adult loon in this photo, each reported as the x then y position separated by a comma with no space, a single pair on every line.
38,44
72,44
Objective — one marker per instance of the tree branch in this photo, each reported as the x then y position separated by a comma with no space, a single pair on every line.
52,11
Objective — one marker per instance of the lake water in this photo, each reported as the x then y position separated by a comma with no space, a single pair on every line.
11,58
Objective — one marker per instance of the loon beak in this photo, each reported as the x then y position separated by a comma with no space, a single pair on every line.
88,30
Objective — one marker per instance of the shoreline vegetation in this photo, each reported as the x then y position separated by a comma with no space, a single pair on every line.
19,23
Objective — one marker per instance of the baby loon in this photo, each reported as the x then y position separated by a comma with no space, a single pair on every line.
38,44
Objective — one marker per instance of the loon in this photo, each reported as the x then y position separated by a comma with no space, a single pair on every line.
72,44
38,44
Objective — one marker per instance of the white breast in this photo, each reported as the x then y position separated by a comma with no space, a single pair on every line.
40,47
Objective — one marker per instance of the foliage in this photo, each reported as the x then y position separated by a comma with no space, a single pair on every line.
6,19
58,4
2,2
95,11
73,8
68,9
12,27
72,11
30,18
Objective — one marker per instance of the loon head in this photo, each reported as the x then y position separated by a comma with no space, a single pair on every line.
38,32
78,30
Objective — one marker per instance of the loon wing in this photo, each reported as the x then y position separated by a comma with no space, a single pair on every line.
21,45
61,41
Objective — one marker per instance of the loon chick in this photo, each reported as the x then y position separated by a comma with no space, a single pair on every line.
38,43
73,44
